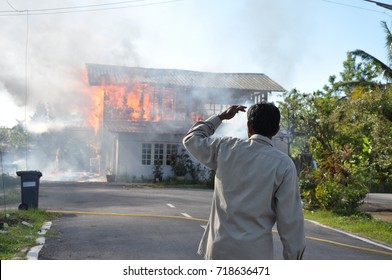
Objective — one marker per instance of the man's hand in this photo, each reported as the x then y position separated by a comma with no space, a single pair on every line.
230,112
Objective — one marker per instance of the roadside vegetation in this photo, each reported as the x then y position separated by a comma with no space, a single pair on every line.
341,135
19,231
361,224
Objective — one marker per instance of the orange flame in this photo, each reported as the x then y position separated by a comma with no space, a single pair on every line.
92,109
133,103
137,102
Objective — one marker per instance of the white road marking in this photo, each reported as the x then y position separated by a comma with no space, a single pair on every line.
170,205
203,226
186,215
353,235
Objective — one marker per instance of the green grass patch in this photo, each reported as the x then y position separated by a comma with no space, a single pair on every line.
15,236
361,224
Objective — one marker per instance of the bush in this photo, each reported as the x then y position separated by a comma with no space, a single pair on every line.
339,198
307,183
179,163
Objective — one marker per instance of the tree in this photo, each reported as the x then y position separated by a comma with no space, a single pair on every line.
348,131
12,138
292,111
382,68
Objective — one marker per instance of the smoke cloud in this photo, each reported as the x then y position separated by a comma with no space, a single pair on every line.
44,56
52,49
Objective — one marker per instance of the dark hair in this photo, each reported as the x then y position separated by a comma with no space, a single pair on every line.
265,118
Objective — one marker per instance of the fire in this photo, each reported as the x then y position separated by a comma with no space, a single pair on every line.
132,103
92,109
137,102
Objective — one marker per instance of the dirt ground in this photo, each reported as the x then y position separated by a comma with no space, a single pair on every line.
383,216
379,212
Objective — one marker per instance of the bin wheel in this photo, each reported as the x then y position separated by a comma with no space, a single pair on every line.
23,206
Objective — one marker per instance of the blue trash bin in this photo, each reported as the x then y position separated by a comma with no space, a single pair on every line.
29,188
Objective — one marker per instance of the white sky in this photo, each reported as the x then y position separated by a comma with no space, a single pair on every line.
299,44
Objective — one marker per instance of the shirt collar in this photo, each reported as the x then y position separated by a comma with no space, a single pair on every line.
262,139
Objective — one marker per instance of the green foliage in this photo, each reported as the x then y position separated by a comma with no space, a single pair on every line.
340,199
347,129
12,138
359,223
16,236
180,163
157,171
307,183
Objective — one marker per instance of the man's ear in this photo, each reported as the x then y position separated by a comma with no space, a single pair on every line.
276,132
250,129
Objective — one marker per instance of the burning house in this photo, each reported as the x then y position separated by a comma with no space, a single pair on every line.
145,112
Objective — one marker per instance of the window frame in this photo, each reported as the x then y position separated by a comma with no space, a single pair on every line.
153,152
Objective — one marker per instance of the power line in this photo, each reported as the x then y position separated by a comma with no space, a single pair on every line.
356,7
386,6
84,8
9,4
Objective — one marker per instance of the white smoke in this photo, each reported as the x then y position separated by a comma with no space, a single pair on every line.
43,56
245,36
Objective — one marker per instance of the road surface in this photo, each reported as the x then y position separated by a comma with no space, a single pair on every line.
101,221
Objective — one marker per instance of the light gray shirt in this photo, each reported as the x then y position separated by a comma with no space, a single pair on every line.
256,185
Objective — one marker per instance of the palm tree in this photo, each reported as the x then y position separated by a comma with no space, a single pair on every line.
384,69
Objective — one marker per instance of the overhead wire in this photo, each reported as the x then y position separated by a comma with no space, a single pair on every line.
356,7
114,6
84,8
12,7
87,6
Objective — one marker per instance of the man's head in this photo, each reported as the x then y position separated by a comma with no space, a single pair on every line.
263,119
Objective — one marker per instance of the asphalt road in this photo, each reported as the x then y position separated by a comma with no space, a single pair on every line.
123,222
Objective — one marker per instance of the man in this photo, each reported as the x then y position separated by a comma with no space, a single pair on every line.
256,185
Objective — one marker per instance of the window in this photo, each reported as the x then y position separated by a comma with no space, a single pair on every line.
157,153
171,149
214,108
260,97
146,153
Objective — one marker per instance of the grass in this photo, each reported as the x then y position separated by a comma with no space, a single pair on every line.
15,236
361,224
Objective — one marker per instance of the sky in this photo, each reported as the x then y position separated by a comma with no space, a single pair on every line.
298,44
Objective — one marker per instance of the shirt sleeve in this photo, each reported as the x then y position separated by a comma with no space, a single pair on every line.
289,216
199,144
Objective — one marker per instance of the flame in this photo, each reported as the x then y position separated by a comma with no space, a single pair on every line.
138,102
92,109
133,103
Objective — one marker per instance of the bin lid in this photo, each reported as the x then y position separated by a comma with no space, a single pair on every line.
29,172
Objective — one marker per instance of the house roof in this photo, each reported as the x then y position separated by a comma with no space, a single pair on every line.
99,74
